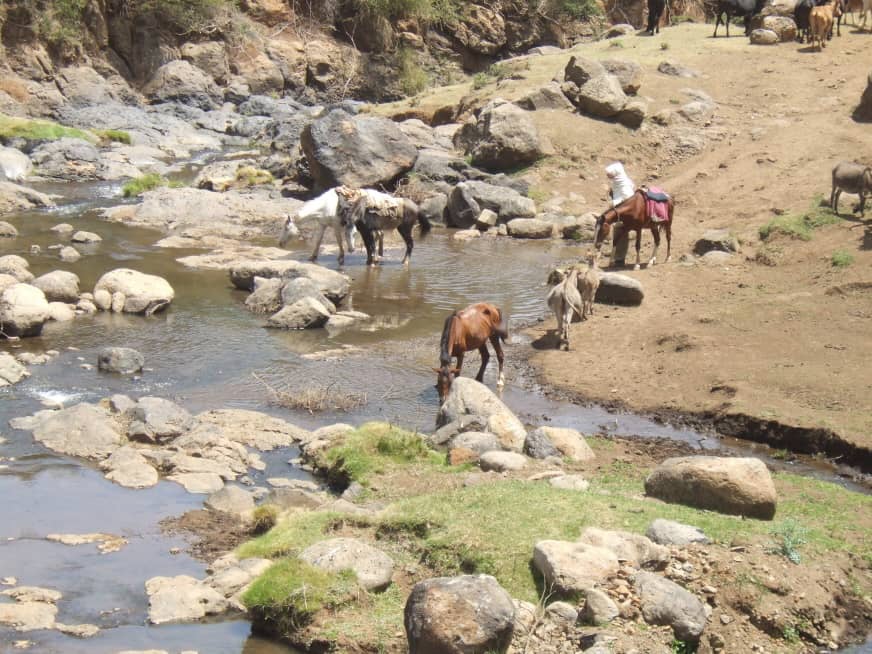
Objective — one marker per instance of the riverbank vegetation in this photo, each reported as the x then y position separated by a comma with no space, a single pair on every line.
441,521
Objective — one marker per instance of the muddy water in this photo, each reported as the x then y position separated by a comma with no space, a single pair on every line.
207,352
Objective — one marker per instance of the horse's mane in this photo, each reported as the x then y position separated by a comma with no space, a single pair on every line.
444,344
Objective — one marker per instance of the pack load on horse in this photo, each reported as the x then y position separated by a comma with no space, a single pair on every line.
647,207
466,330
374,212
621,187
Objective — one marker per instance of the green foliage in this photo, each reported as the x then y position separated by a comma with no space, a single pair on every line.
189,16
682,647
291,592
113,135
842,258
412,78
790,634
494,73
430,11
58,22
251,176
801,225
373,448
38,130
790,536
264,518
578,9
140,185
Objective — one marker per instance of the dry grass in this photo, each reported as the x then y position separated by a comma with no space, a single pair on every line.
15,88
315,399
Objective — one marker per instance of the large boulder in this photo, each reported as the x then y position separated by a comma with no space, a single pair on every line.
59,286
863,111
23,310
142,293
783,26
305,313
158,419
180,81
14,164
469,614
616,288
210,57
666,603
372,567
333,285
573,567
601,97
503,137
357,151
481,30
122,360
468,397
740,486
580,70
529,228
468,199
69,159
764,37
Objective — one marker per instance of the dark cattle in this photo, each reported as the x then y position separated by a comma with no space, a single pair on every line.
732,8
655,11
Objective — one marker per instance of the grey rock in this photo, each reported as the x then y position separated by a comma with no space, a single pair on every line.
440,166
635,549
557,441
716,239
7,230
142,293
231,499
305,313
468,397
127,467
764,37
476,441
15,166
434,208
666,603
468,199
573,567
303,287
182,82
580,70
549,96
199,482
676,70
372,567
634,113
85,237
459,615
616,288
599,609
602,97
667,532
335,286
358,151
628,73
82,430
69,159
181,599
529,228
59,286
122,360
14,197
11,372
503,137
69,254
164,420
499,461
23,310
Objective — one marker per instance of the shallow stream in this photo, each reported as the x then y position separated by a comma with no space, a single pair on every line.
207,351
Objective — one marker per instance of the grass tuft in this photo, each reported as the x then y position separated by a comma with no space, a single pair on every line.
790,537
842,259
113,136
250,176
263,519
140,185
801,225
38,130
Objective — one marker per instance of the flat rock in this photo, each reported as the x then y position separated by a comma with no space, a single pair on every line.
499,461
199,482
231,499
635,549
181,599
666,603
11,372
83,430
667,532
372,567
572,567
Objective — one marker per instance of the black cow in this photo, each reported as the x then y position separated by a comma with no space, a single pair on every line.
655,11
731,8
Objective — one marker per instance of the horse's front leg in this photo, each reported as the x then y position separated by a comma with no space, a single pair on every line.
655,232
485,357
495,339
638,249
669,239
318,240
406,233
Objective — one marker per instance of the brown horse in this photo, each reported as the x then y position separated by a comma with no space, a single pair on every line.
633,214
465,330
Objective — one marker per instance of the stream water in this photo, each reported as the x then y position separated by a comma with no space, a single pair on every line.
207,351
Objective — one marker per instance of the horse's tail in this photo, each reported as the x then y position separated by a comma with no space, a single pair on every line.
422,219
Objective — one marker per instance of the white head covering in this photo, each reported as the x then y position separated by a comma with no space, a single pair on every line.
622,185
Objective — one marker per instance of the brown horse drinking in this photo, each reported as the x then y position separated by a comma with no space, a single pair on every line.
465,330
633,214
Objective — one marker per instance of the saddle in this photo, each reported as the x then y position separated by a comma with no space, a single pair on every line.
655,203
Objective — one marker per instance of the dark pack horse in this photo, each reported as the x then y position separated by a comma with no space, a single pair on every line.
632,213
375,212
466,330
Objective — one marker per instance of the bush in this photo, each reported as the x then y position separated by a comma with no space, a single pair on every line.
431,11
842,258
263,519
412,78
578,9
114,135
142,184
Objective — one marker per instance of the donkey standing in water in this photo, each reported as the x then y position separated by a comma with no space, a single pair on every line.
634,214
375,212
465,330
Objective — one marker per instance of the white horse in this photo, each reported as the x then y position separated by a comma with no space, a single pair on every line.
325,210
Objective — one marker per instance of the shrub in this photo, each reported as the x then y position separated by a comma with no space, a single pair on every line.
431,11
412,78
114,135
842,258
578,9
263,519
790,536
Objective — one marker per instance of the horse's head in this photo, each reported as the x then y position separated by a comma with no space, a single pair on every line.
289,231
444,376
601,230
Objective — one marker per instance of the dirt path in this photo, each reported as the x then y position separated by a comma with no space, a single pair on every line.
768,352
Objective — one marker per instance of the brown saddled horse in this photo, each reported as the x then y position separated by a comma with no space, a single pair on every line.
633,213
465,330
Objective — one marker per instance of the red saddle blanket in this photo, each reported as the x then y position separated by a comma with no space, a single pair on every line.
657,210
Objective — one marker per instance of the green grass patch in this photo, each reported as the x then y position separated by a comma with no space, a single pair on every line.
147,182
842,259
800,225
250,176
113,136
374,448
412,78
494,73
291,592
38,130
